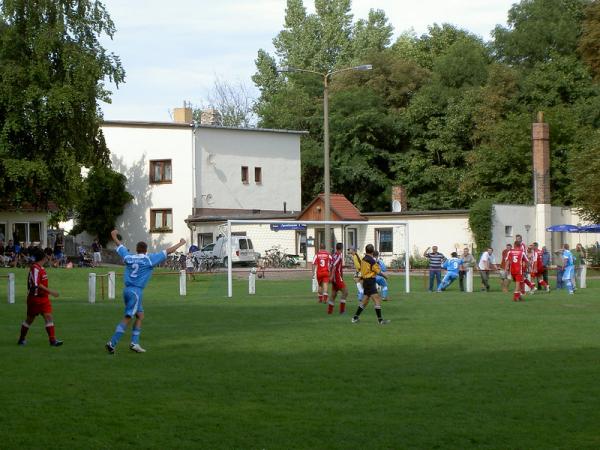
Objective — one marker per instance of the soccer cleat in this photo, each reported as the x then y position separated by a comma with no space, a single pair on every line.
21,342
355,319
547,288
384,322
109,348
136,348
56,343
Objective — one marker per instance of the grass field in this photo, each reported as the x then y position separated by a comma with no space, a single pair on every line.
273,371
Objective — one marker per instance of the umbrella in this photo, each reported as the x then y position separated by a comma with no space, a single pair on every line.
565,227
590,228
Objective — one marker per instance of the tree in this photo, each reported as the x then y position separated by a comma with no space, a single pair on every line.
102,201
539,29
584,166
52,74
234,101
589,41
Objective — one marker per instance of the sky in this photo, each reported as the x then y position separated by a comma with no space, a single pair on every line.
173,50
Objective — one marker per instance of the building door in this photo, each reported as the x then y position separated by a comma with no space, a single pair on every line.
20,232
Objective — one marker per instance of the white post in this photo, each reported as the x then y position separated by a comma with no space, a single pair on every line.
315,286
252,282
469,277
406,260
182,283
582,277
92,288
229,262
11,288
111,285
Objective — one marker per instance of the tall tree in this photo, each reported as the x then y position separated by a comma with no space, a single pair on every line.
234,101
52,75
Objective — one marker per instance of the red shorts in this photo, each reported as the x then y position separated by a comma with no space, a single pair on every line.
517,277
322,278
338,285
38,305
535,274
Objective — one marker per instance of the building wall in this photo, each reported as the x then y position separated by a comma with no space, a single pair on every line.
9,219
517,217
220,155
132,148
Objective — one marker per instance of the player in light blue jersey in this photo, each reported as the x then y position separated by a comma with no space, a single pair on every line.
380,279
138,271
452,266
568,268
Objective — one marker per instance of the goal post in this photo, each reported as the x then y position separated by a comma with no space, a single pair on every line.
288,247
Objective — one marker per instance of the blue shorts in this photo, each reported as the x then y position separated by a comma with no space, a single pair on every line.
568,273
132,297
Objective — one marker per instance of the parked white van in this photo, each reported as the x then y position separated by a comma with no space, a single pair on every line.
242,250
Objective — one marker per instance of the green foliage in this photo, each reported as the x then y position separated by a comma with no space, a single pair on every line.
102,201
444,114
481,218
584,167
589,41
52,74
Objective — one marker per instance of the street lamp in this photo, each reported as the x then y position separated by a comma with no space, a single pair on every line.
326,182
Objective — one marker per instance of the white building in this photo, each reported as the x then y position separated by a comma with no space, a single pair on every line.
181,174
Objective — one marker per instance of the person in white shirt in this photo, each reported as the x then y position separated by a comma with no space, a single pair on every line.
487,262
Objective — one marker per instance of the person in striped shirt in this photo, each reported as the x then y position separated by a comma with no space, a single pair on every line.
435,266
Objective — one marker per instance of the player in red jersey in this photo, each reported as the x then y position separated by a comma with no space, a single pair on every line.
537,267
321,263
337,280
37,299
515,261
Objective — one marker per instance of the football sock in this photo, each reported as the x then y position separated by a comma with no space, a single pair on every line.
325,297
50,331
359,310
569,284
114,340
543,283
329,307
135,335
24,330
528,283
342,306
378,312
516,296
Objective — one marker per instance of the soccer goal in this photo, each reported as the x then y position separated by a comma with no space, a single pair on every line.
285,249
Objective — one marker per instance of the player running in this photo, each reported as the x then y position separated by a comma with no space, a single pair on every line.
138,271
568,268
38,301
321,264
368,271
515,262
381,278
537,267
337,280
452,266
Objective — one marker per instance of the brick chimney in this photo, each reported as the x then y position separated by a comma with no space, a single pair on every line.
541,160
399,199
540,136
211,117
183,115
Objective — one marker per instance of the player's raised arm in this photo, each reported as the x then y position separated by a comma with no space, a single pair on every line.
114,234
176,246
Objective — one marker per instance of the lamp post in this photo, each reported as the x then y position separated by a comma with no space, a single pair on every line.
326,181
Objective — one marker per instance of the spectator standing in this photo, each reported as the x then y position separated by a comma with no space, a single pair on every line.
487,263
97,253
435,266
58,253
579,256
468,262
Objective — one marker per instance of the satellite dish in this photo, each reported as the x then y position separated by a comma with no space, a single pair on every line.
396,206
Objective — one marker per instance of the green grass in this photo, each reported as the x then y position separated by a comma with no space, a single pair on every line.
273,371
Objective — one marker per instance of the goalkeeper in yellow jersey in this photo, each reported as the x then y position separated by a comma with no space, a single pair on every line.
369,269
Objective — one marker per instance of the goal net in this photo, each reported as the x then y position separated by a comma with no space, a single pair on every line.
282,250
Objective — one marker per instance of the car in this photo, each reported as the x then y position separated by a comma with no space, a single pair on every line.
206,251
242,250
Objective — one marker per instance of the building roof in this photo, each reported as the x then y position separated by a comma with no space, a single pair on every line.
340,206
222,215
431,212
150,124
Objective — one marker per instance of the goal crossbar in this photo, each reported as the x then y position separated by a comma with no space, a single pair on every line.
388,223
